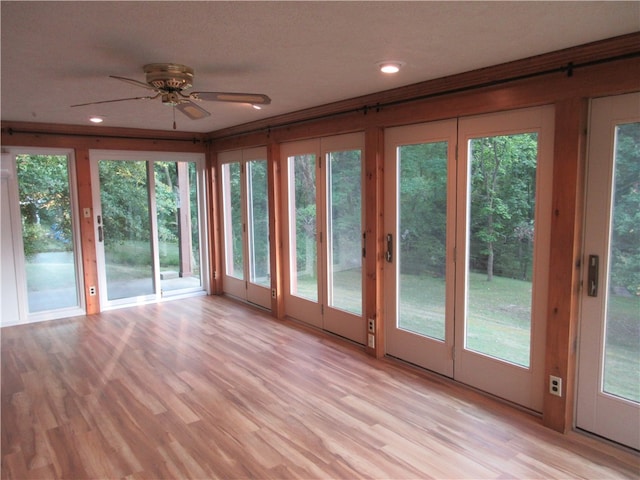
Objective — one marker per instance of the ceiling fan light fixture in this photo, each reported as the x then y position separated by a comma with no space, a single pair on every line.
390,67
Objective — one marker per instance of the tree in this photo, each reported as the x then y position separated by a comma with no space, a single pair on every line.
45,207
625,242
423,213
502,202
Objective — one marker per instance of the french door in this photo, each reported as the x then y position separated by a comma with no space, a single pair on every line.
245,213
467,249
148,220
322,184
608,401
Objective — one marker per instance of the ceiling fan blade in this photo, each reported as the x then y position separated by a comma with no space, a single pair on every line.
191,110
252,98
117,100
134,82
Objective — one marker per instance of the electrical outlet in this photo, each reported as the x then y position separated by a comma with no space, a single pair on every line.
555,385
372,341
273,293
371,326
92,290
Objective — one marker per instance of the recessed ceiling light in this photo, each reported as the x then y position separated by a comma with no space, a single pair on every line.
257,107
96,119
390,66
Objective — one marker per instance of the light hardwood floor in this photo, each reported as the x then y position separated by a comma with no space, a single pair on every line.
209,388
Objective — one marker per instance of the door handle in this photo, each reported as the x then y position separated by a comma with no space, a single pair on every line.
388,255
592,276
99,221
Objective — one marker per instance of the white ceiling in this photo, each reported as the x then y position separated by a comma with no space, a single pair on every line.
301,54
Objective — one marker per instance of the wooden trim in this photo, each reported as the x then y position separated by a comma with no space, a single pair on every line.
374,243
276,229
87,230
215,265
565,258
75,136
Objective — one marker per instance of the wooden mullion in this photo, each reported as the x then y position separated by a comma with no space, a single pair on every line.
213,211
87,230
374,242
276,225
565,257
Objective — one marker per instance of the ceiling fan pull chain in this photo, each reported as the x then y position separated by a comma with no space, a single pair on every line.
174,117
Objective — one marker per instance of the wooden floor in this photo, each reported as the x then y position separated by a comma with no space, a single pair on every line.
209,388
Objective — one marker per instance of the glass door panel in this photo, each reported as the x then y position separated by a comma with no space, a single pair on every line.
48,232
233,223
177,220
621,375
502,194
303,254
503,236
421,238
258,221
420,217
609,342
126,229
344,230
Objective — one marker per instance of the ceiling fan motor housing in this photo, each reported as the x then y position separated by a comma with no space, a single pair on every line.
169,77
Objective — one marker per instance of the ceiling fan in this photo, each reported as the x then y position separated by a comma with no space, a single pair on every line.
169,80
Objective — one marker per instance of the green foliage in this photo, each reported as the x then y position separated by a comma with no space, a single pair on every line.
259,217
423,215
502,204
625,242
45,206
125,201
345,170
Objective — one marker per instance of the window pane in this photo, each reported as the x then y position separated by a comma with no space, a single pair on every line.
177,212
500,245
47,233
232,207
422,235
258,223
345,230
124,197
302,218
622,345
